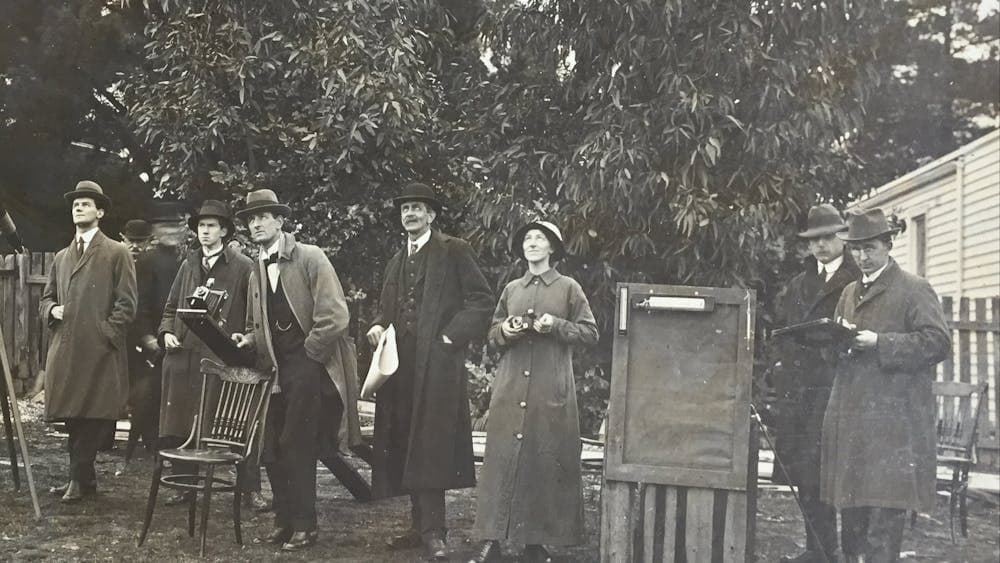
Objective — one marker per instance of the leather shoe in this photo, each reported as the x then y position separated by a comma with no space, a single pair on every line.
277,536
74,493
59,490
489,552
410,540
257,502
535,553
300,541
435,548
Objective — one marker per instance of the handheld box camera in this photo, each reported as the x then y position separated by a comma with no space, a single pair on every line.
203,315
524,322
208,300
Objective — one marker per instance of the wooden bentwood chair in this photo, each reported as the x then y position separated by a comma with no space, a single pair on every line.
958,407
221,436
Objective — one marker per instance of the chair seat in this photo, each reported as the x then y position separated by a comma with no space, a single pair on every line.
202,455
953,460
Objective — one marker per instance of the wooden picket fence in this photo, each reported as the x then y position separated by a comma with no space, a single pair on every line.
975,335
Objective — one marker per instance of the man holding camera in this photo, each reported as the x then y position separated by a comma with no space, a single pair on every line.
439,301
88,303
297,323
229,271
803,379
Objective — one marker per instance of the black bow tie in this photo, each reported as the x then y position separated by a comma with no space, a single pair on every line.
272,259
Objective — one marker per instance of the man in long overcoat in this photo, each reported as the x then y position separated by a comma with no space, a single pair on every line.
88,303
437,298
878,453
143,411
229,271
804,378
297,323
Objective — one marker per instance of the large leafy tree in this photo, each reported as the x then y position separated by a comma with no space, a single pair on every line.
941,85
62,113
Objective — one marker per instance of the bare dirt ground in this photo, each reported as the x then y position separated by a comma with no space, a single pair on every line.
105,528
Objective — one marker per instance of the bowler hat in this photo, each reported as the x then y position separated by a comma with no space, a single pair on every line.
167,211
137,230
213,208
86,188
551,232
263,200
866,225
823,219
418,192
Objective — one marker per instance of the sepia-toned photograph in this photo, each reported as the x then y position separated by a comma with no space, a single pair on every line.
495,281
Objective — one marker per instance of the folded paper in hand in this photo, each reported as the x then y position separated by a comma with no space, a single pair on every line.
385,362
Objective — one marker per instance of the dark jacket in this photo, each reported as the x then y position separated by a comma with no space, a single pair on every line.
155,271
456,302
181,372
804,378
878,433
317,300
86,370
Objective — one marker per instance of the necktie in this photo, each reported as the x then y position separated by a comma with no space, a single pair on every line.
413,248
206,260
79,248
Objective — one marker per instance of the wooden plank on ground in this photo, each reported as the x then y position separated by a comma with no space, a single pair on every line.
698,520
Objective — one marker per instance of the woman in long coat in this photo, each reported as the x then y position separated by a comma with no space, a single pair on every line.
878,450
530,488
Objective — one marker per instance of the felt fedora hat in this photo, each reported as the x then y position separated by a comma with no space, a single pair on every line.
263,200
823,219
90,189
551,232
418,192
137,230
217,209
866,225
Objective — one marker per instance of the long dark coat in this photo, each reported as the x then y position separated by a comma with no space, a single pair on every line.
456,302
878,434
181,372
155,271
86,369
804,379
317,300
530,487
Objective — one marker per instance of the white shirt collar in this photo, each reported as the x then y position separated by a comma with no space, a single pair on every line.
88,235
215,253
421,240
866,278
830,267
274,248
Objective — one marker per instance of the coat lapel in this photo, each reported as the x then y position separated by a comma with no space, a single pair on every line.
880,284
91,249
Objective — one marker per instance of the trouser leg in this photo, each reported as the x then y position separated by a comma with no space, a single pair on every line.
854,530
885,534
821,527
427,511
85,435
276,473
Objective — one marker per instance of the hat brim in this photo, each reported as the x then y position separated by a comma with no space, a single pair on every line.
223,220
140,238
276,208
517,241
104,200
398,201
822,231
847,237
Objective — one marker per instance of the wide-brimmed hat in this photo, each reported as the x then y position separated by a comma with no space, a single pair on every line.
217,209
167,211
866,225
86,188
418,192
260,201
137,230
551,232
823,219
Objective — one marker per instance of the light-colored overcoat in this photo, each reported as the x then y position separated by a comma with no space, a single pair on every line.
531,488
182,377
878,434
86,368
317,300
